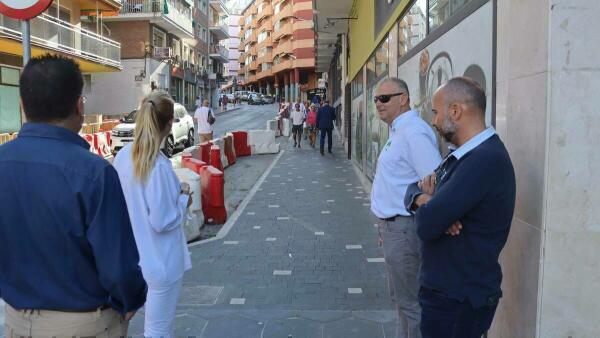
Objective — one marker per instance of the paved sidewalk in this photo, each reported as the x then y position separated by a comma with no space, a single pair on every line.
301,261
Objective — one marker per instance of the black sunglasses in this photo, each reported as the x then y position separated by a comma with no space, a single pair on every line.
385,98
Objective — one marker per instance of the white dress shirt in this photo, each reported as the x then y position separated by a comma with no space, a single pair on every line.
157,210
410,154
201,115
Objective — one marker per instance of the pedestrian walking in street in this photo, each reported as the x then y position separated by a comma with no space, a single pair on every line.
225,101
463,215
297,124
68,259
410,154
198,102
311,122
205,120
157,205
325,118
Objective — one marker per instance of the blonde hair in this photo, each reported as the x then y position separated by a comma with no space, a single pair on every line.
155,112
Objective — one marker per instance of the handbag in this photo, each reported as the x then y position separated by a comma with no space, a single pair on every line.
211,119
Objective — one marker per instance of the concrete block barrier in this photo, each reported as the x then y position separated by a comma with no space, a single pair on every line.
229,149
91,141
240,143
286,129
213,195
193,164
215,157
262,142
205,151
220,142
192,178
102,145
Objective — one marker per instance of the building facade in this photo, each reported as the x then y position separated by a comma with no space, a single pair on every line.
232,44
217,51
70,28
277,45
539,76
158,54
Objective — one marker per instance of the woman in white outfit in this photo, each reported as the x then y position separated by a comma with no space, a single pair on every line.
157,206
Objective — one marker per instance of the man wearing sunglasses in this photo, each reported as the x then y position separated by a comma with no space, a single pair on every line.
409,155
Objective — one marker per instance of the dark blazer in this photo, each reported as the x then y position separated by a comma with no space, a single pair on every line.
325,117
479,190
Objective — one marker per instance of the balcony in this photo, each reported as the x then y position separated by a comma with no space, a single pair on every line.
220,30
102,5
219,53
219,6
241,21
49,33
264,73
266,58
241,47
242,58
254,51
251,78
283,65
284,46
162,13
241,71
285,12
282,29
267,24
267,11
268,41
253,65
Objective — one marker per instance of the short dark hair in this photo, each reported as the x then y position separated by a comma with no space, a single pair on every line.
50,87
466,90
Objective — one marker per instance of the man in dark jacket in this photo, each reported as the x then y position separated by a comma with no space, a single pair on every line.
325,118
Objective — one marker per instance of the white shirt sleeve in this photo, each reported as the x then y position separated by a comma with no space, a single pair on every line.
422,152
166,205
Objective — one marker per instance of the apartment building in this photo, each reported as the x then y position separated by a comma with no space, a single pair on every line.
232,44
217,51
70,28
277,45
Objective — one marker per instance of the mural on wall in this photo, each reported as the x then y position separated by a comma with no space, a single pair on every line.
357,123
377,131
450,56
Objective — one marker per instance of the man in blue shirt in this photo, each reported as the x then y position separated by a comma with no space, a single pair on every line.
325,118
68,259
463,215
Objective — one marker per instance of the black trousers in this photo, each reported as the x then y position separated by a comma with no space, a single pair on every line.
327,131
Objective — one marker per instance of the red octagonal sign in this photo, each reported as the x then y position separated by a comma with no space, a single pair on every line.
23,9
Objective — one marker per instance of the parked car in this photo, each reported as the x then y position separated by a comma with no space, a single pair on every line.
230,97
268,99
255,98
242,95
182,131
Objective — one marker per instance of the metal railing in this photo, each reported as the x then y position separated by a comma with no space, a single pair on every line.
52,33
219,50
220,24
182,18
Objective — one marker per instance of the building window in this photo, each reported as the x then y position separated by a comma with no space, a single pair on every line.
382,59
10,114
441,10
263,36
159,38
412,28
203,6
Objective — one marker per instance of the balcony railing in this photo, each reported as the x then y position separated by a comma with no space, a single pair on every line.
52,33
220,50
168,8
220,28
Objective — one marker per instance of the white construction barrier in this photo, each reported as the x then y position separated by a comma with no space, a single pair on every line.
272,125
221,143
194,217
262,142
286,129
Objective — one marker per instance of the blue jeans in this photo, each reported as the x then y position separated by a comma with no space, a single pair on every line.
444,317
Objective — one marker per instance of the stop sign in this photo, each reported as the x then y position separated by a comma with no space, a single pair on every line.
23,9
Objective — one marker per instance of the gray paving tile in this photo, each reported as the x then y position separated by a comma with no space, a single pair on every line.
325,316
293,327
233,326
352,328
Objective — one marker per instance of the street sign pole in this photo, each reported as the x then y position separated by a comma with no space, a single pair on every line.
26,32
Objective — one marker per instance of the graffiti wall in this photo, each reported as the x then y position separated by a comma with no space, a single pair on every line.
465,50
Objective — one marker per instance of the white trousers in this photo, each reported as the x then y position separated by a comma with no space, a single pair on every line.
161,303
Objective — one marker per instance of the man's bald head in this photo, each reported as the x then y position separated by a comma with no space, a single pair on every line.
466,91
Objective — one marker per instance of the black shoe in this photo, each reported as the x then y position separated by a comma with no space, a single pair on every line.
322,152
329,151
299,146
295,144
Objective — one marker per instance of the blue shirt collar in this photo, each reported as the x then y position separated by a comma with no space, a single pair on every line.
45,130
402,118
474,142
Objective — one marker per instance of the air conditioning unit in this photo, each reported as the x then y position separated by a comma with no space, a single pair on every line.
162,53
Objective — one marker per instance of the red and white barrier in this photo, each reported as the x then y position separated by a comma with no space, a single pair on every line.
194,218
240,143
213,195
229,149
286,129
215,157
221,144
205,151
